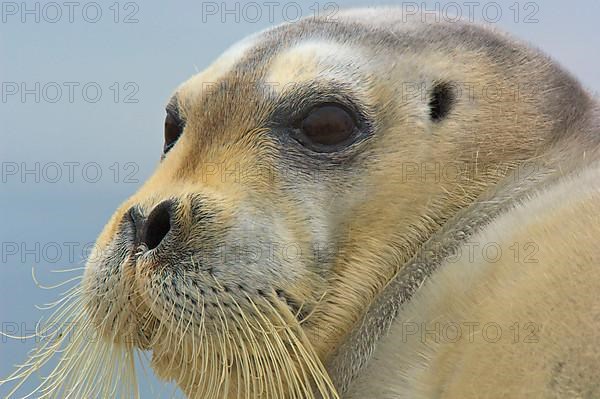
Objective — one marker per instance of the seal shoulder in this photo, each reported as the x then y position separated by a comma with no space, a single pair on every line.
511,313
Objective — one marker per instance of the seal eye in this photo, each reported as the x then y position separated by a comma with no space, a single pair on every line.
173,129
328,125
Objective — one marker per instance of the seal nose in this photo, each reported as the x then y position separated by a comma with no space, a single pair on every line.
157,224
137,221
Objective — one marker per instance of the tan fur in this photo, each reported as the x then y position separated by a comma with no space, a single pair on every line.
528,319
237,326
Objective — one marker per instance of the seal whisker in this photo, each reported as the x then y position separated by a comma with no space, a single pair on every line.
51,287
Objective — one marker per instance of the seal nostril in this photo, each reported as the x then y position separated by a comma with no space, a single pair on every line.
137,223
157,225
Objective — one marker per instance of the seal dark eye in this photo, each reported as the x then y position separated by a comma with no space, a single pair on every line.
173,129
328,126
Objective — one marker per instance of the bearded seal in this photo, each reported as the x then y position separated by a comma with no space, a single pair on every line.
314,182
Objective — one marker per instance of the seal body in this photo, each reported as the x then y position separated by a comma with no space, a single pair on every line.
512,313
446,118
316,185
497,285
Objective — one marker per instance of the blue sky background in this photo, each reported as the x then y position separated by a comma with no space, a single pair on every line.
43,214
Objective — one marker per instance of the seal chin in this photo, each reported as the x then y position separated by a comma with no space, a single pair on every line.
200,324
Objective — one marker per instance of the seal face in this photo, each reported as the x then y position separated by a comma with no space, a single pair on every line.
299,173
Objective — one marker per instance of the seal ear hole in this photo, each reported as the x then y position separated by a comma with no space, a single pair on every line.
441,101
